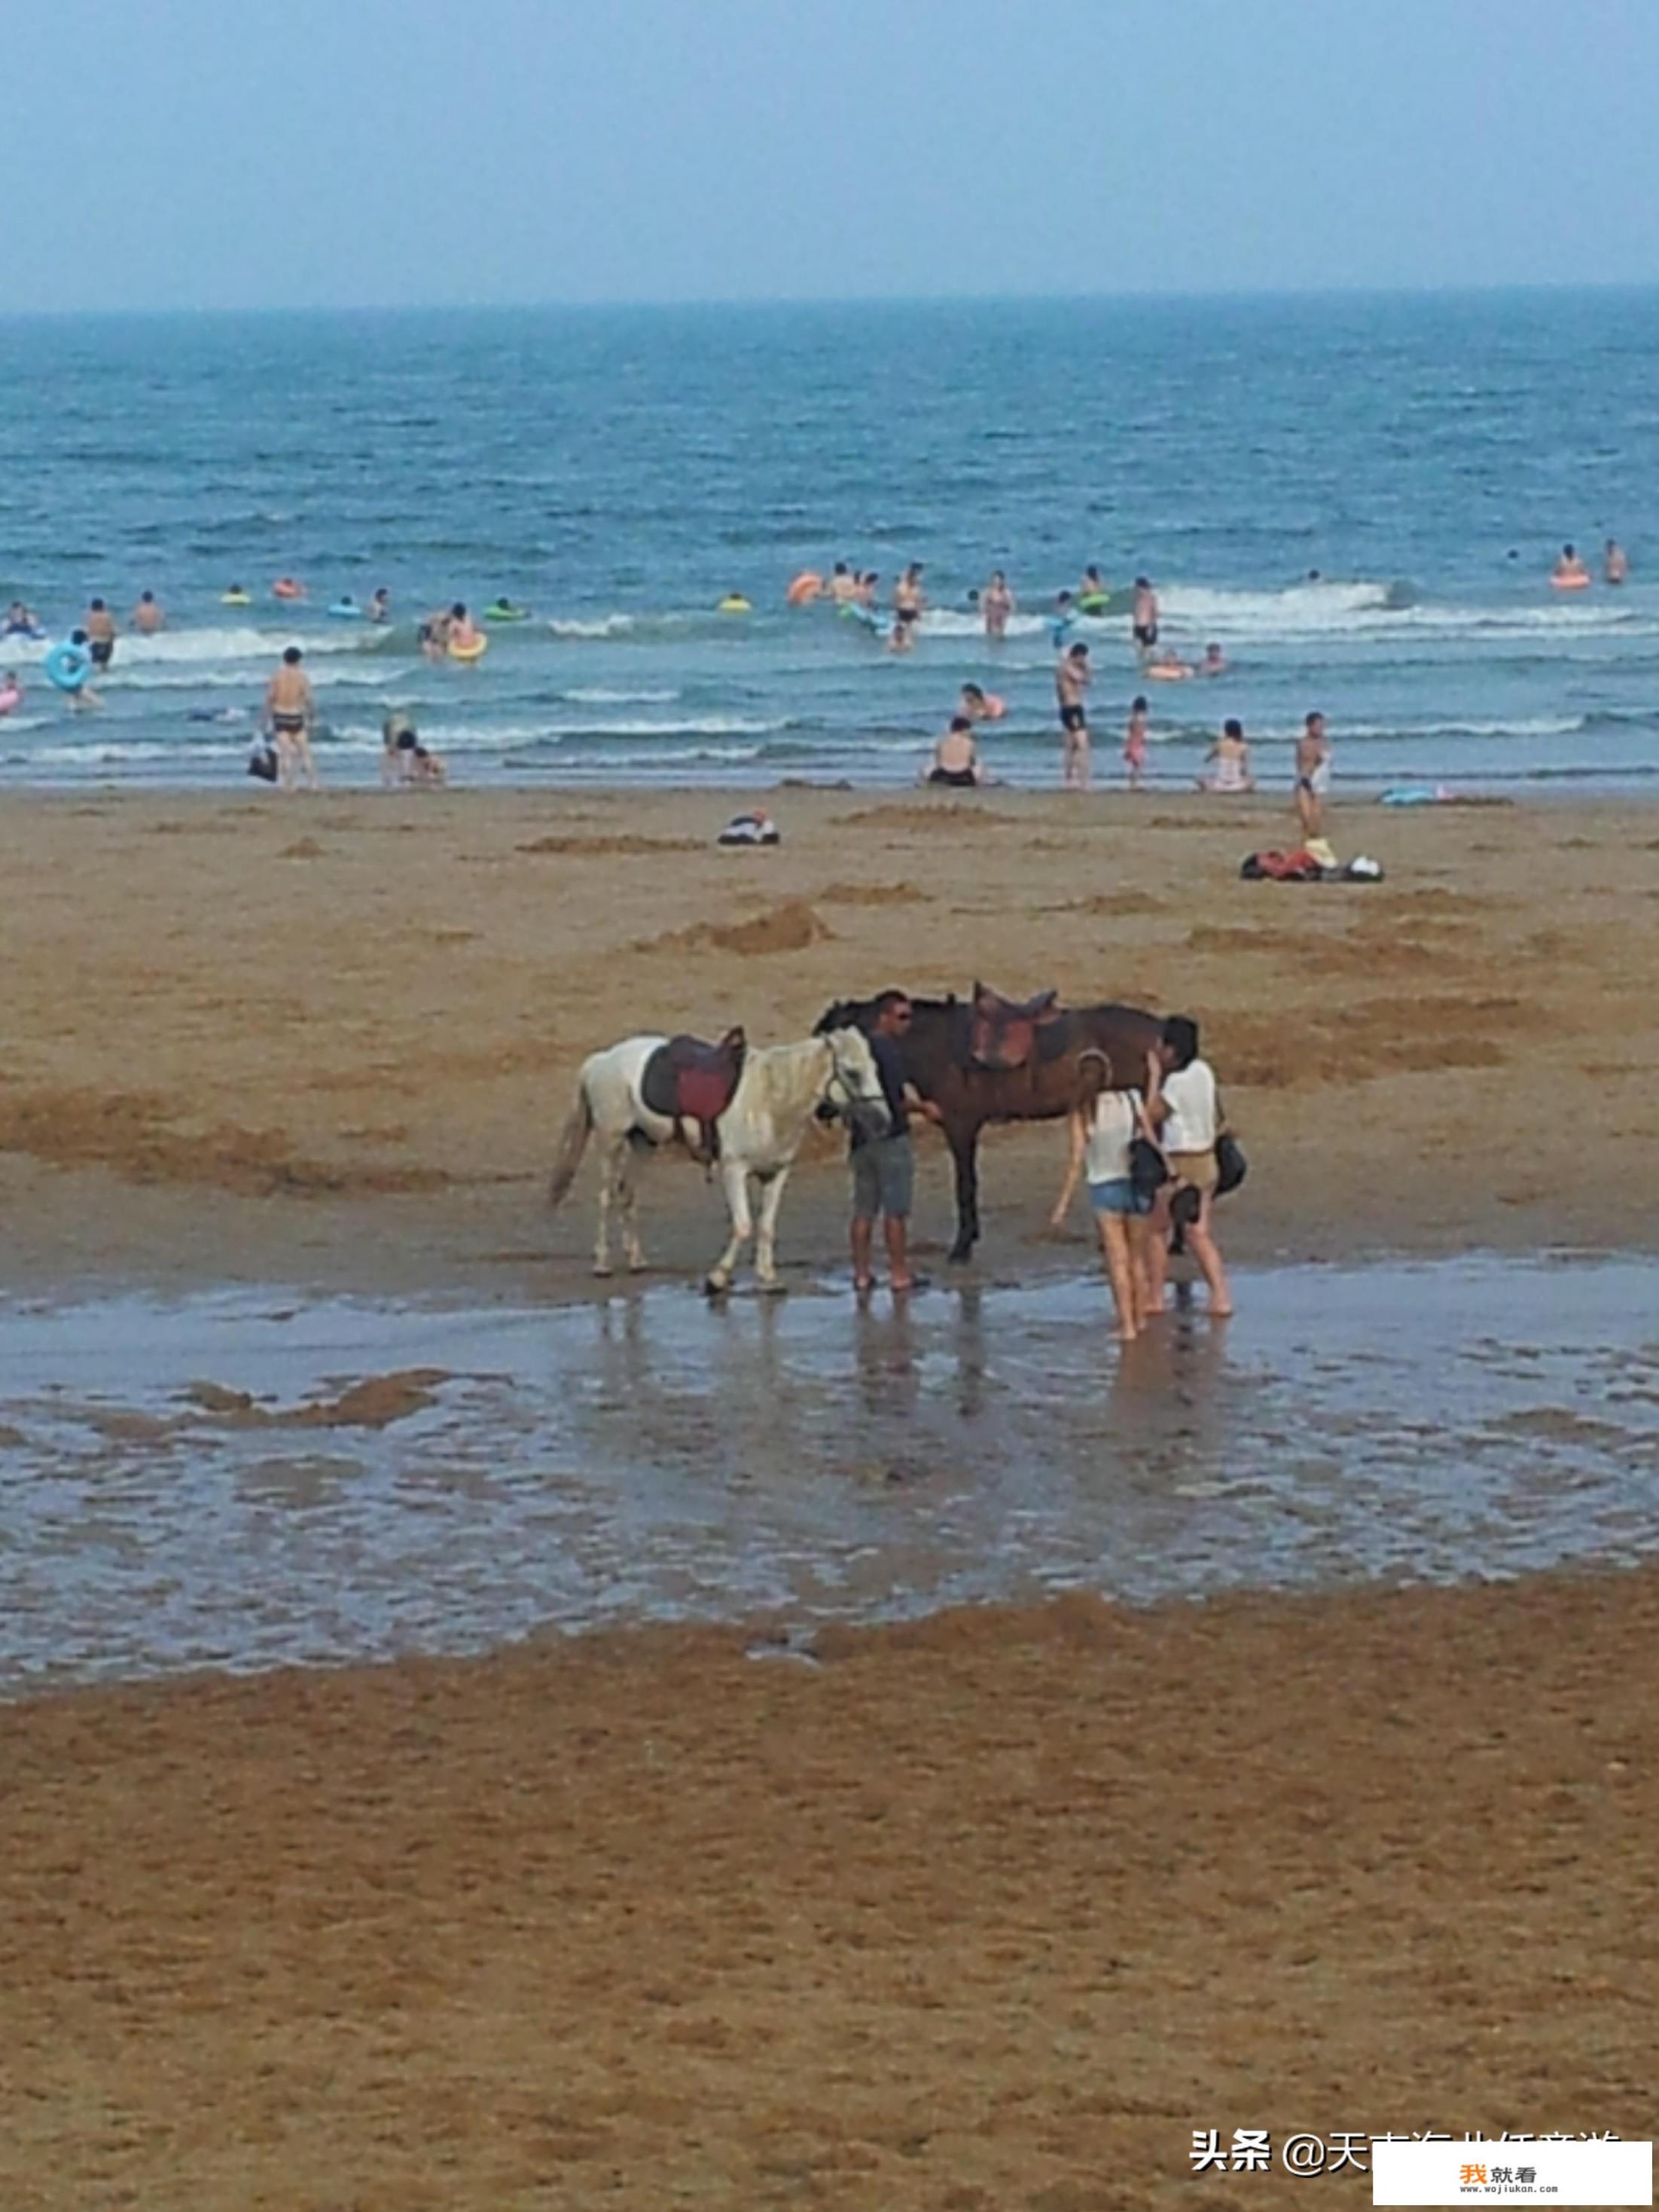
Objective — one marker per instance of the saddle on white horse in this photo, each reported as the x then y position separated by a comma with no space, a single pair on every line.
691,1082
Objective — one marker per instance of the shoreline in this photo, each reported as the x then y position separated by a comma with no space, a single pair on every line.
997,1907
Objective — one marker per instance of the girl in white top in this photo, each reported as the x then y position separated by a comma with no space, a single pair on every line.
1103,1125
1188,1119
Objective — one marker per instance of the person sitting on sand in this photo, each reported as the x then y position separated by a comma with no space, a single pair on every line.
1313,777
1570,574
956,757
1231,757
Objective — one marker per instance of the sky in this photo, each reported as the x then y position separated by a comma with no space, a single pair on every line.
333,153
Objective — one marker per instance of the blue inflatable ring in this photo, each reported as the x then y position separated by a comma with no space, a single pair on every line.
67,667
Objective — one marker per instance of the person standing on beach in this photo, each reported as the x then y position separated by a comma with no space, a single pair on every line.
146,615
1073,677
1143,617
99,626
996,603
1313,777
1189,1119
884,1168
290,712
1134,742
1615,562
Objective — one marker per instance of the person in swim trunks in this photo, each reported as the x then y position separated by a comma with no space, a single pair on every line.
1313,777
908,597
956,757
1073,677
99,626
291,711
1143,618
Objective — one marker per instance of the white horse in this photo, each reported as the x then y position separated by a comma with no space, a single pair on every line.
781,1088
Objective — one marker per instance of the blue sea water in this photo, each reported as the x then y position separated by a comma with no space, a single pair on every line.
619,471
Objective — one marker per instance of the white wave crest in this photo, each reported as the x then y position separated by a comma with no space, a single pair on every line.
191,646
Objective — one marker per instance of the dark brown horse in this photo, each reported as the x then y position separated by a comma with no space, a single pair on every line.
938,1062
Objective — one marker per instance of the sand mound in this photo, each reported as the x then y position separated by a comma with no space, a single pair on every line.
872,894
937,814
790,927
132,1134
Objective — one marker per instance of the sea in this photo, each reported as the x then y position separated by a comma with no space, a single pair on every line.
1358,498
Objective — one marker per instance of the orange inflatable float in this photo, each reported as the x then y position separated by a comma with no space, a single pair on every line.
285,587
806,586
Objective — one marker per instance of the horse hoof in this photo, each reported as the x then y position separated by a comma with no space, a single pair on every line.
769,1286
602,1268
714,1288
638,1266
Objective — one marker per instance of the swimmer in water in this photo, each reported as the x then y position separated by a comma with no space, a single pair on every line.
86,697
1093,586
101,635
147,617
843,584
1569,571
1615,562
909,600
956,757
996,603
433,636
463,634
1065,615
1142,617
379,607
1214,662
21,621
1134,742
975,705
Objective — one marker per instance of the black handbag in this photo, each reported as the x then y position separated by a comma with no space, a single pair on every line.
1230,1165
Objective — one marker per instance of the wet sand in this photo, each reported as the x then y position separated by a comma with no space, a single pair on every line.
332,1041
993,1910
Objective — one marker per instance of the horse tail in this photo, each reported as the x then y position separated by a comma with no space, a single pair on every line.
573,1142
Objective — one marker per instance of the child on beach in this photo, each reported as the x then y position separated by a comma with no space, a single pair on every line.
1134,742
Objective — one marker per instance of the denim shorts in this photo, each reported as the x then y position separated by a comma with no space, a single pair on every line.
1118,1196
883,1176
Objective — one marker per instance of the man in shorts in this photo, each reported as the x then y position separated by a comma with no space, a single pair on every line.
1073,677
884,1168
290,709
1143,618
99,626
1313,777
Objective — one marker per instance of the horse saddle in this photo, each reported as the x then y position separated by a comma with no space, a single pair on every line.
1009,1033
687,1080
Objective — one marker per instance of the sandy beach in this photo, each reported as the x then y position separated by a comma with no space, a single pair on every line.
993,1910
333,1041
